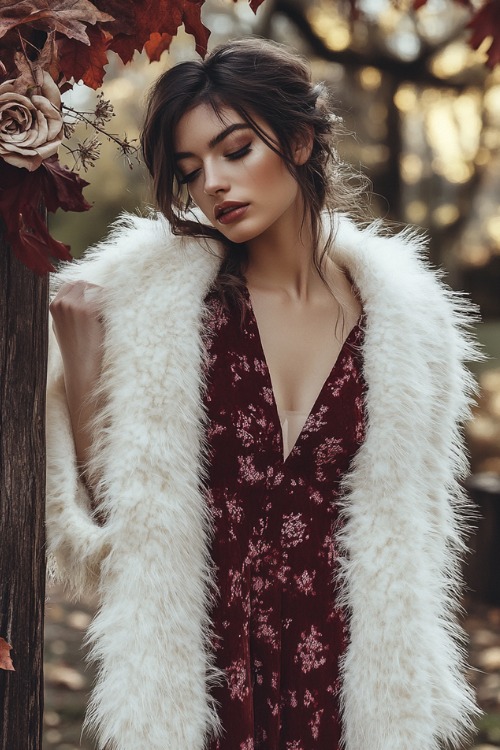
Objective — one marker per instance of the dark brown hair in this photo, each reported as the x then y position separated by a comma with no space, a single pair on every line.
254,77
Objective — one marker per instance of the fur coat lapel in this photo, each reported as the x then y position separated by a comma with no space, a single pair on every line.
401,543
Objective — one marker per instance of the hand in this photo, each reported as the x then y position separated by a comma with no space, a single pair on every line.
77,324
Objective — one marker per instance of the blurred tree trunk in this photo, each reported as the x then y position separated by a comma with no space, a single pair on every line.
388,183
23,345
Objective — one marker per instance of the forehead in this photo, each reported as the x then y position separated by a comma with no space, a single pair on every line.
199,125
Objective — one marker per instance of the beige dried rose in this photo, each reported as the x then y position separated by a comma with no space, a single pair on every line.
31,124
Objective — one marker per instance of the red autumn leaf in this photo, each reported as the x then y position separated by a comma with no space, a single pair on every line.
484,24
123,13
125,45
156,44
255,4
22,193
194,26
68,17
136,22
61,187
84,62
5,660
35,244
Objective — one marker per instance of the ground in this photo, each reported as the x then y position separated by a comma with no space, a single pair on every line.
68,679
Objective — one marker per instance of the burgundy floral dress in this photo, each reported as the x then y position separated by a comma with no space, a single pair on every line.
278,630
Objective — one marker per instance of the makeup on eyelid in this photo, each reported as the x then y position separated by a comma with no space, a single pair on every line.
238,153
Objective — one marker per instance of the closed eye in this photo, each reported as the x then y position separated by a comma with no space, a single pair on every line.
233,156
239,153
187,178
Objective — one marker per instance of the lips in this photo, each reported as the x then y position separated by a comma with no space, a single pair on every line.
224,211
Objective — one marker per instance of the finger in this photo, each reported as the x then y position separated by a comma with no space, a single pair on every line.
71,290
91,293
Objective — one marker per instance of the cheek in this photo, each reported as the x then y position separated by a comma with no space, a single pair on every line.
276,182
271,181
269,169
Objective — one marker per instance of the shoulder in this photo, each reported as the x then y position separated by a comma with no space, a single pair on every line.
128,236
401,289
390,265
136,250
383,257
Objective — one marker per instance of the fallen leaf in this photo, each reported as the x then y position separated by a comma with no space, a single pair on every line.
5,660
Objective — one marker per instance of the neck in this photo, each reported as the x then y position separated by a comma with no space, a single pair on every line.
282,259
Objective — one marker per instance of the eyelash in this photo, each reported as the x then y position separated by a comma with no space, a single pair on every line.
234,156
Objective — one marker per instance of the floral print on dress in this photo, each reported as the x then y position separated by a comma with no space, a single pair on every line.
278,631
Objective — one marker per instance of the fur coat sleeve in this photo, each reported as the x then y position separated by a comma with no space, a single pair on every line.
405,515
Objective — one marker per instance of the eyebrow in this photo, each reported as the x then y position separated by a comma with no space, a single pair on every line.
216,140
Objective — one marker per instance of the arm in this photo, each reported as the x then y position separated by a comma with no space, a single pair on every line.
79,333
77,544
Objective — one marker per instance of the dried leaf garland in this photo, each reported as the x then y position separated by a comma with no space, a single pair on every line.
22,195
68,17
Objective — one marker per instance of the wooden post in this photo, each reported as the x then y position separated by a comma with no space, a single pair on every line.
482,571
23,357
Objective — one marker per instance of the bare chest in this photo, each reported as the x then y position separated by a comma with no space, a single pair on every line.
301,344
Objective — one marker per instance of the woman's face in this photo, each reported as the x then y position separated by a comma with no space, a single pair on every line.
241,185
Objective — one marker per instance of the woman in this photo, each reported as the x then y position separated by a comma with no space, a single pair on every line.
263,401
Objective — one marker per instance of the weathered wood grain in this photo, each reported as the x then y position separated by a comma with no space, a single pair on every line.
23,355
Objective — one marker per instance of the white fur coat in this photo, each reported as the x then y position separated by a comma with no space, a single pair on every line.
403,686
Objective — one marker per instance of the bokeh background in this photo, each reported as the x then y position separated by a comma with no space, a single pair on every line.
423,111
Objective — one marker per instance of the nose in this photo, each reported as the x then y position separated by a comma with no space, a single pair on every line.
215,180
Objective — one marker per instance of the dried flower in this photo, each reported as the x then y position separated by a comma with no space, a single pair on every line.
95,119
69,129
128,149
104,110
31,126
87,152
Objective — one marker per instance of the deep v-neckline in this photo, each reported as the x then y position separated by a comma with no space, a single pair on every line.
313,409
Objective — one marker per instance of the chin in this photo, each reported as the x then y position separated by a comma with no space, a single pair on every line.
241,234
240,238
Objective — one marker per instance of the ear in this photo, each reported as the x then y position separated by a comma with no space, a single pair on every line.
303,147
